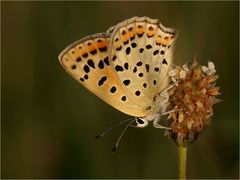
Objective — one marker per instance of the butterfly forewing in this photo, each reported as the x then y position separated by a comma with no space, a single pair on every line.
126,66
141,52
88,61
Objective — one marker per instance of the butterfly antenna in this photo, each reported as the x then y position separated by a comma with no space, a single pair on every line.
121,135
113,126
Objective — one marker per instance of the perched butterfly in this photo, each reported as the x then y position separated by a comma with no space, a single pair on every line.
126,67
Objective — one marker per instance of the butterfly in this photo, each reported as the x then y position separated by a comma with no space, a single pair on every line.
126,67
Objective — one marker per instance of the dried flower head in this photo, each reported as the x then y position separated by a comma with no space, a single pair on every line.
192,99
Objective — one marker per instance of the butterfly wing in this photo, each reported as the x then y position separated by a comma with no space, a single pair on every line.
141,52
88,61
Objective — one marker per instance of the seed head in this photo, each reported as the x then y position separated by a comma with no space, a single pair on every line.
192,97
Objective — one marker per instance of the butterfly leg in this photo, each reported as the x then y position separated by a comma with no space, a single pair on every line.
156,125
169,87
159,126
157,119
174,110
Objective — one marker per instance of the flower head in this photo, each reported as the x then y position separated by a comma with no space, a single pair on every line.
192,99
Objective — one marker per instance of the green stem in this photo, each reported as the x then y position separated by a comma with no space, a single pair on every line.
182,155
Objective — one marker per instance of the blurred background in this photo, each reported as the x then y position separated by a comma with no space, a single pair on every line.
48,121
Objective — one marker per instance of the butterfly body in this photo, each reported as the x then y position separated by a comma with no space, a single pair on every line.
126,67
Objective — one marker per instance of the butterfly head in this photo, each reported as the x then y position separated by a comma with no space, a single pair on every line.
141,122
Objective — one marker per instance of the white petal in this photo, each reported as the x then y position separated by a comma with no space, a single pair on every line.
212,72
204,68
185,67
183,74
211,65
172,73
173,79
208,72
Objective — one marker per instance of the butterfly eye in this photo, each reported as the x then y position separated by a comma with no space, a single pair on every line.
141,123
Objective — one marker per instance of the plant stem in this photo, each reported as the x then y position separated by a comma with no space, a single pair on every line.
182,155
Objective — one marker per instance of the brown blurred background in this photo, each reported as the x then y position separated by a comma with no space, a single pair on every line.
48,120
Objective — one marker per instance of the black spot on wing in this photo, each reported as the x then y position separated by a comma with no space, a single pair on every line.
156,69
79,59
164,61
86,76
135,69
128,50
150,28
123,98
130,29
140,35
91,63
126,82
134,45
74,66
139,63
93,52
114,58
102,80
86,69
149,36
155,52
113,89
119,68
81,79
103,49
106,61
126,66
149,46
147,67
126,42
132,38
85,55
154,82
119,48
140,74
137,93
100,64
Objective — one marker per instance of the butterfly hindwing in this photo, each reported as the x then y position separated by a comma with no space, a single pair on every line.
88,62
141,52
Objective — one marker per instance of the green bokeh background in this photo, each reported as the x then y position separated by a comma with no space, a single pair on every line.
48,120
